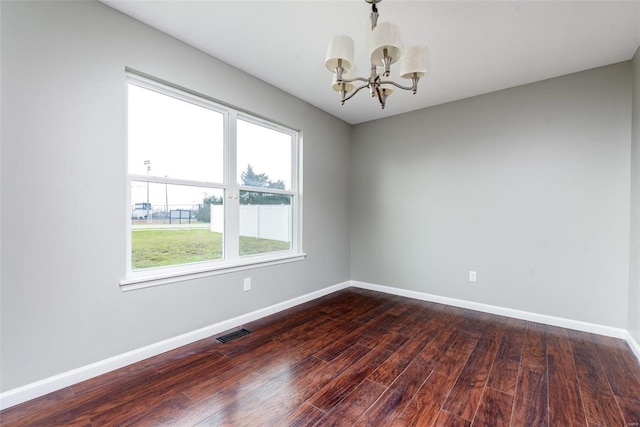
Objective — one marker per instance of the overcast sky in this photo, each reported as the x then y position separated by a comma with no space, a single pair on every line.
184,140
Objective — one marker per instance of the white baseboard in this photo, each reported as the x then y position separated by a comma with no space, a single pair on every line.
39,388
501,311
635,347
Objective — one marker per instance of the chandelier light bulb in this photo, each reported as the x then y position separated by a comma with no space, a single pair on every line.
387,88
346,86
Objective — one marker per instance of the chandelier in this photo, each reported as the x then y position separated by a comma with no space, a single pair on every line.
385,48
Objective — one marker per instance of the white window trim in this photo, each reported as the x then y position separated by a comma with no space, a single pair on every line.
167,277
144,278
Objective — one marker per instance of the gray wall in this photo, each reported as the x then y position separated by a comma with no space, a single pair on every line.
634,257
63,153
528,186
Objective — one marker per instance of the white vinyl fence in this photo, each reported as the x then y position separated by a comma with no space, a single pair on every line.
261,221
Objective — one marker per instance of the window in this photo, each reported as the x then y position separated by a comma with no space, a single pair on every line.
210,189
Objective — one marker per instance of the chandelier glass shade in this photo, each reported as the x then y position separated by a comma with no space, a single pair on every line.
385,49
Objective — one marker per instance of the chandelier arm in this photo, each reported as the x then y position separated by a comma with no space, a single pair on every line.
354,92
398,85
357,79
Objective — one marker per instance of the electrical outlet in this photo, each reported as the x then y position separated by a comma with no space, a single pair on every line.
247,284
472,276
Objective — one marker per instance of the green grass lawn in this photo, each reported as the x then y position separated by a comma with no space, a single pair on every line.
172,246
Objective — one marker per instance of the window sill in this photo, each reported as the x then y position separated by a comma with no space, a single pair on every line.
164,278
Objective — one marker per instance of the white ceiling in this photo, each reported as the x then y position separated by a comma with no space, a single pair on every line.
475,47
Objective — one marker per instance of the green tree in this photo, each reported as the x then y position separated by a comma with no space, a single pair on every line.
250,178
203,213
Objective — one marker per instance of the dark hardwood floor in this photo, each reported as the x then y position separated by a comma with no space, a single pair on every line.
363,358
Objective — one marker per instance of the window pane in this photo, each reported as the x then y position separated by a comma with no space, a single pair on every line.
264,157
266,223
175,224
172,138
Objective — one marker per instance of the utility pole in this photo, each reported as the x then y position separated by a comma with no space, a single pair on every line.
147,163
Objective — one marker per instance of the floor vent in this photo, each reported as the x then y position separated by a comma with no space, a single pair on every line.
233,335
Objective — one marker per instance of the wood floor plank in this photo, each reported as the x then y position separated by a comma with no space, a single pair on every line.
228,403
234,387
531,399
271,360
81,408
160,395
390,341
342,339
597,396
251,406
306,415
630,411
399,360
534,350
33,410
565,401
351,408
369,316
393,401
494,410
589,369
447,419
401,308
413,322
363,358
219,402
330,395
149,410
621,368
299,389
111,379
435,349
349,303
424,407
322,324
504,373
457,355
256,340
465,395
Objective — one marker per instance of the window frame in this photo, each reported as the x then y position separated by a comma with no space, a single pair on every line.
231,260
